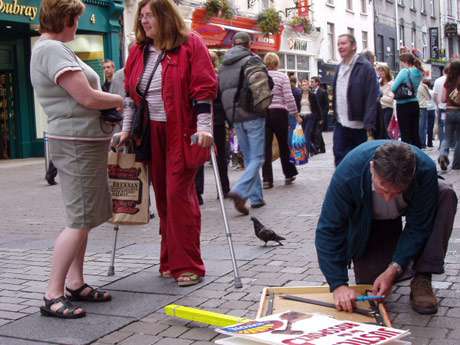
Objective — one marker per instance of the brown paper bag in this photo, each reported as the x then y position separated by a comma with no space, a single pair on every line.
129,184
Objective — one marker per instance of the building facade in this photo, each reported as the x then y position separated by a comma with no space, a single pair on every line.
22,121
449,29
336,17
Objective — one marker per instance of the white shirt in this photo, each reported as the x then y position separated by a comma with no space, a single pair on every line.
437,90
343,78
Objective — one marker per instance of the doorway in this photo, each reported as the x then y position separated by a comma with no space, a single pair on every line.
7,129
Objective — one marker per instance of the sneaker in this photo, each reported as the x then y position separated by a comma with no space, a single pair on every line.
422,297
268,185
289,180
443,162
240,203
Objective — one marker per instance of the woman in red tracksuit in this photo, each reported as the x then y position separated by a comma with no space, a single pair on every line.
179,102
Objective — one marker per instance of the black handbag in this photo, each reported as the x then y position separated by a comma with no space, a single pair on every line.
111,115
141,128
405,90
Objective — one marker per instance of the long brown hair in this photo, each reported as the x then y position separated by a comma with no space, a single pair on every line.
411,60
453,74
387,71
172,31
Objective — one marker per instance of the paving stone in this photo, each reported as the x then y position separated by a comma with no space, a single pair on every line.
140,339
174,341
16,341
174,331
199,334
115,337
145,328
84,330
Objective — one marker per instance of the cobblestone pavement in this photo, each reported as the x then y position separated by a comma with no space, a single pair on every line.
32,217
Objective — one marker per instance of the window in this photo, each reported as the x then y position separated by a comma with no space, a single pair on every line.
392,54
331,39
350,5
330,2
425,45
422,6
413,38
401,3
351,31
402,40
290,61
365,40
432,8
298,65
380,48
412,4
450,8
364,6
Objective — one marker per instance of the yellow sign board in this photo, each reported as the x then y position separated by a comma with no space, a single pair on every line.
16,9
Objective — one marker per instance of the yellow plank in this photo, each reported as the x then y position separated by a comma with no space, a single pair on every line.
202,316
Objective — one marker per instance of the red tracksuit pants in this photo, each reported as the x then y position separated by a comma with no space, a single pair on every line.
177,206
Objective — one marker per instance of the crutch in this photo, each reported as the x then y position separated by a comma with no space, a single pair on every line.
236,275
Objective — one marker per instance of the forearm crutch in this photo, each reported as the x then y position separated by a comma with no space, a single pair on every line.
236,279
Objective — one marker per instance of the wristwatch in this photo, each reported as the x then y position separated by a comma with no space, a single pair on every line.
396,266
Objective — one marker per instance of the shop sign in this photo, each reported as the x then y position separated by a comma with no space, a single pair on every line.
450,30
434,43
302,8
15,8
297,44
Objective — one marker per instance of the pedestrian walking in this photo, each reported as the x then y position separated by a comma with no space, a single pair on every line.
355,99
377,184
405,89
424,99
431,108
310,112
249,125
323,102
178,105
292,118
387,97
451,96
70,93
109,70
440,120
277,122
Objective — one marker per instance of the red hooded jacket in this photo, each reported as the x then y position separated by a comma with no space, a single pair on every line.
187,76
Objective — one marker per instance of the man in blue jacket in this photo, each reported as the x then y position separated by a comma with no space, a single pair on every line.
355,99
375,185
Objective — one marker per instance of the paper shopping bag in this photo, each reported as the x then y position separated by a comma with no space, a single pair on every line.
130,189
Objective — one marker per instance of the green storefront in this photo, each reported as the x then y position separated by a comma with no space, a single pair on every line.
22,121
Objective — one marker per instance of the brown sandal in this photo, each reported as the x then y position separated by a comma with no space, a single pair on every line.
67,310
188,279
94,295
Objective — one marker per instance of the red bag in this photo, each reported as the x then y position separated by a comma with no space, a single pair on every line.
393,128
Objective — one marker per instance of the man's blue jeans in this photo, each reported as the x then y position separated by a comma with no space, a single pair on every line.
441,127
452,138
251,138
423,126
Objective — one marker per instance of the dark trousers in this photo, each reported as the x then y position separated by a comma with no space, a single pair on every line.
408,119
385,234
199,180
387,114
220,140
317,137
276,123
431,118
346,139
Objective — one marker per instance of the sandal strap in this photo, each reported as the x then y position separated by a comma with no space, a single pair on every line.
66,305
77,292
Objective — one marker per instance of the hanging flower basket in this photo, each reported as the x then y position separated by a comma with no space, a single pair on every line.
269,21
219,8
301,24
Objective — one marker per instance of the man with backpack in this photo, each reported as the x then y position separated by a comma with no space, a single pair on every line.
246,94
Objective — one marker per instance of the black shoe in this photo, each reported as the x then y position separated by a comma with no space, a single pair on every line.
443,162
200,199
259,205
50,179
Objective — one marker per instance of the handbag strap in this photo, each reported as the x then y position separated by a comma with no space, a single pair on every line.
155,67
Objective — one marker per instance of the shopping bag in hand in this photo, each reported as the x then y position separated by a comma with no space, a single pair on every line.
393,128
130,189
299,152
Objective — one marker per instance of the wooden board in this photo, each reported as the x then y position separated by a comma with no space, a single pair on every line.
271,295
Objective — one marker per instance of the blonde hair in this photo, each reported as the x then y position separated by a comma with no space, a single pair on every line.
214,58
172,31
272,61
56,14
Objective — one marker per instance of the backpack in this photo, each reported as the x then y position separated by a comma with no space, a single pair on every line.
254,93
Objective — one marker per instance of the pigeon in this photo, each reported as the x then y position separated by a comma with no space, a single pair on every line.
264,233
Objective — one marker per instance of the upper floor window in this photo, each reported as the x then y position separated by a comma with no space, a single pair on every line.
350,5
412,4
422,6
330,2
364,6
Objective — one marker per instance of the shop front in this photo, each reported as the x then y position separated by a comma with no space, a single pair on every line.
299,53
22,121
218,32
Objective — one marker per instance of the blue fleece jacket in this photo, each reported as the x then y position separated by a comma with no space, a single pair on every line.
403,76
346,215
